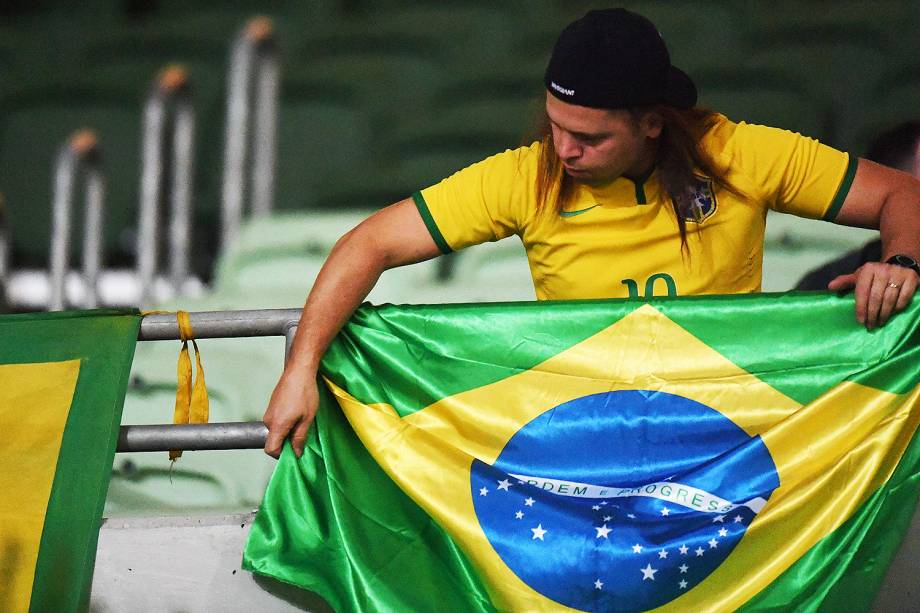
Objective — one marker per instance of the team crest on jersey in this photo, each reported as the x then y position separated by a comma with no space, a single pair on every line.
702,201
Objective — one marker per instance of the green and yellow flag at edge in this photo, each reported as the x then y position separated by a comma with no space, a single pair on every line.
381,512
63,378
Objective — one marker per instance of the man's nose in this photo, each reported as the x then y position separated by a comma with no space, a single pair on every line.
566,147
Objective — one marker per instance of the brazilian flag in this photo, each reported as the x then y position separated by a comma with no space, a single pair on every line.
63,378
695,454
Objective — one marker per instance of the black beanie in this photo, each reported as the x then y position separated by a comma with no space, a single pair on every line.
615,59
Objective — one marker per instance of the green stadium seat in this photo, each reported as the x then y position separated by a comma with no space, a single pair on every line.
837,68
892,20
390,77
32,127
322,137
757,97
463,34
490,272
223,19
364,192
294,244
430,157
504,103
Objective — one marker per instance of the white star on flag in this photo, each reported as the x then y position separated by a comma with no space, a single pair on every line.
723,532
699,551
665,511
603,504
683,585
648,572
683,568
662,554
607,517
738,519
519,515
538,532
713,543
719,518
504,484
529,502
598,584
483,491
596,508
683,550
637,548
631,516
602,531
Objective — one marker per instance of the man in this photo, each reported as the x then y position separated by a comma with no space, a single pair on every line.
897,148
630,189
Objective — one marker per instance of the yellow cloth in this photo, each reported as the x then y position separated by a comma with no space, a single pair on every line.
191,402
621,239
34,398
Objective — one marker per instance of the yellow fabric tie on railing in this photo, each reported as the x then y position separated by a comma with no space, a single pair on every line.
191,402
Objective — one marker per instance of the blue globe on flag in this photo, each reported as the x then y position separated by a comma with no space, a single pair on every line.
622,501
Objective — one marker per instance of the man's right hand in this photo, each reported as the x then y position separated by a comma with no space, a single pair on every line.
394,236
290,411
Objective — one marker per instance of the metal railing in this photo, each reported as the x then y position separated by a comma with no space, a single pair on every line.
168,139
4,256
170,93
208,324
80,153
251,129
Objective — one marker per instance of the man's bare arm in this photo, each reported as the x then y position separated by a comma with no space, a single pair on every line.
392,237
888,200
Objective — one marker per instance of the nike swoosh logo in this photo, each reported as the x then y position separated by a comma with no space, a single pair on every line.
578,212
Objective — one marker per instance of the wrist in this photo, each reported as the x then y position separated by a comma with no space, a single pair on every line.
305,366
905,261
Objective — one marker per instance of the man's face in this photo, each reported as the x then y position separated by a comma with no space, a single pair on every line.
597,146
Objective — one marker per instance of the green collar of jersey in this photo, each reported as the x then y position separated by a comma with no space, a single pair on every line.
639,182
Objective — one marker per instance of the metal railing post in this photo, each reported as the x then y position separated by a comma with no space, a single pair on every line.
180,227
212,436
171,86
254,50
93,235
4,257
80,152
265,125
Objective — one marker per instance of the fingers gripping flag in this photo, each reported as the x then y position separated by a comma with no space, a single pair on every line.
602,456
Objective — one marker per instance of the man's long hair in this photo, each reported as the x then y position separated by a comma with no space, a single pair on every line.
680,156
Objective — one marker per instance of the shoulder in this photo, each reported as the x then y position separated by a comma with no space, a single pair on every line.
512,161
718,134
724,138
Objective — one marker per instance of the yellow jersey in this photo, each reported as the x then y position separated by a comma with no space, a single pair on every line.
622,239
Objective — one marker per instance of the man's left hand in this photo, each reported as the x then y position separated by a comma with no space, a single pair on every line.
881,289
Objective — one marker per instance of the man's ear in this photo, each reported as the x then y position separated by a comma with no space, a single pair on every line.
651,124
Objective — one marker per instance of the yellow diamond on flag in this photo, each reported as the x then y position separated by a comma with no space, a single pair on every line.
440,454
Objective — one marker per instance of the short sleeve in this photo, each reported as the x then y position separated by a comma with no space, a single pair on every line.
791,173
487,201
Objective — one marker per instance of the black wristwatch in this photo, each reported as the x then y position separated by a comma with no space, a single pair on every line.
904,260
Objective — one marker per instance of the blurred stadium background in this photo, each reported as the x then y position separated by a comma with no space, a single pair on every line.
375,100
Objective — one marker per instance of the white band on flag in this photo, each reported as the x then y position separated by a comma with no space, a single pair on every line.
678,493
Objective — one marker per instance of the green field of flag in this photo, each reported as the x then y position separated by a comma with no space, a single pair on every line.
707,453
63,378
